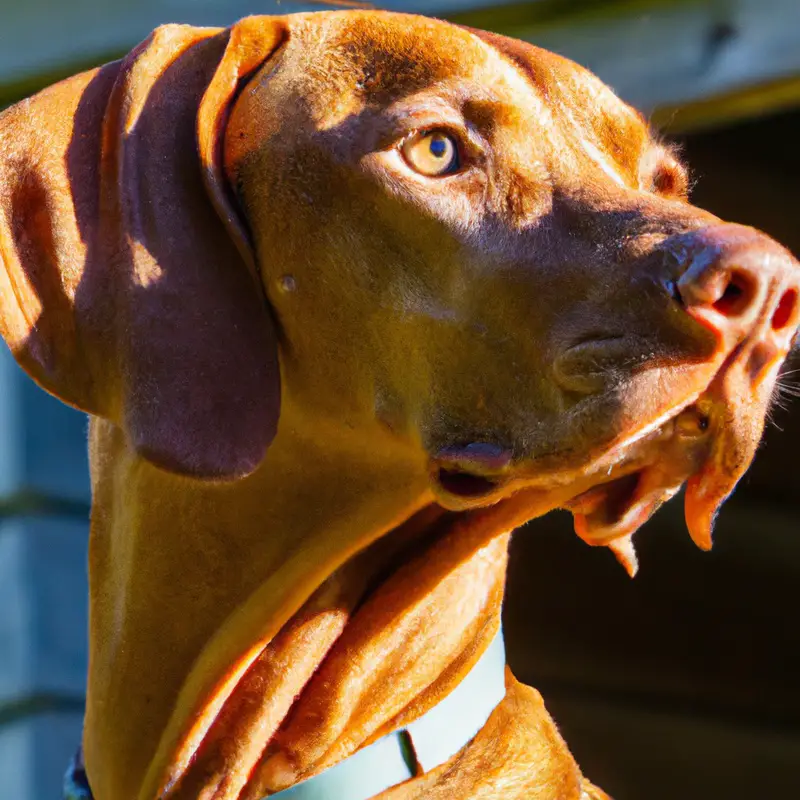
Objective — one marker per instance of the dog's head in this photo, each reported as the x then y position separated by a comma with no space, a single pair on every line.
505,267
465,238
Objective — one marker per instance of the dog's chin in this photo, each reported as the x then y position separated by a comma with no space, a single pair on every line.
705,442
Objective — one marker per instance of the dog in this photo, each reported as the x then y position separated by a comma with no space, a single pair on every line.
349,296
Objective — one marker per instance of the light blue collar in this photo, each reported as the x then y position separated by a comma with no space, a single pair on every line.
428,741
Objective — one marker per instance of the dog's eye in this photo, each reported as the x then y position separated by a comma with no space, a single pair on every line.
433,153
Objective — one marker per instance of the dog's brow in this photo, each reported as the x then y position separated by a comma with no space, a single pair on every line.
486,113
544,74
592,150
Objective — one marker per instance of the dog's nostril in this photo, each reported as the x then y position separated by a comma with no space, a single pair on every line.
785,311
737,295
465,484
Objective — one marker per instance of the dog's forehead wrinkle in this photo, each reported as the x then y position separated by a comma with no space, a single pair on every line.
593,126
381,55
365,56
586,140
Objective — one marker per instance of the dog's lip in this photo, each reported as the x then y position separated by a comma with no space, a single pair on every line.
647,476
479,474
466,476
707,445
610,498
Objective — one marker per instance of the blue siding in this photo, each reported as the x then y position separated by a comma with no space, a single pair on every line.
43,586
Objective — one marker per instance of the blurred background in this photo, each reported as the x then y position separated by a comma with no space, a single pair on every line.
681,684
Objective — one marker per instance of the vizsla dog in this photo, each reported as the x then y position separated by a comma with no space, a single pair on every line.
349,297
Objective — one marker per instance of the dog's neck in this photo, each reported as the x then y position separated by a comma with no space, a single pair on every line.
366,657
185,578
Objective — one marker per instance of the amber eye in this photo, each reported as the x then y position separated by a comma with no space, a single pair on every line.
433,153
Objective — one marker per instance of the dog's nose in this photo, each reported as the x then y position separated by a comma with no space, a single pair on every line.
740,283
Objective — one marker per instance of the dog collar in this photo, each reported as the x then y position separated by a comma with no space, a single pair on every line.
422,745
425,743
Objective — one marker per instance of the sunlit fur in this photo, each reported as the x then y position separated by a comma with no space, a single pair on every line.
284,335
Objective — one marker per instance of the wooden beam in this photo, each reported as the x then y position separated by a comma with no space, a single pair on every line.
669,57
731,107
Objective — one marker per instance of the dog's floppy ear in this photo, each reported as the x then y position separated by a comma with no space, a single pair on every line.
127,284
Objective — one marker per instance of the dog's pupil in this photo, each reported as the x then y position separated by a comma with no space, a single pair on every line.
438,146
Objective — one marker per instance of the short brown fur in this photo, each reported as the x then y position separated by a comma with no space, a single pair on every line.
282,333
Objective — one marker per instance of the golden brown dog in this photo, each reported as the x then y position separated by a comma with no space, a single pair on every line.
350,296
